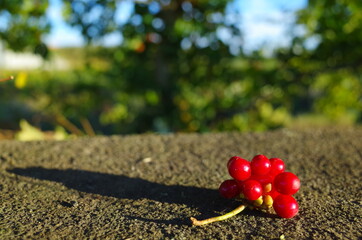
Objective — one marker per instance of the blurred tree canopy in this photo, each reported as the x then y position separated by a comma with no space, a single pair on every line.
173,71
23,24
332,69
170,48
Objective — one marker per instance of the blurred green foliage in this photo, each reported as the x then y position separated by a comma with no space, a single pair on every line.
173,73
23,24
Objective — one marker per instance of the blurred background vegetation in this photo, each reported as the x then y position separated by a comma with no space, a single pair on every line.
181,67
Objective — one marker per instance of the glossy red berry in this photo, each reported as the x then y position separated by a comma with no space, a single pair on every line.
239,168
229,189
260,165
277,166
285,206
273,193
286,183
262,179
231,160
252,189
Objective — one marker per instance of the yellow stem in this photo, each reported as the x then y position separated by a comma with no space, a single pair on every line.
218,218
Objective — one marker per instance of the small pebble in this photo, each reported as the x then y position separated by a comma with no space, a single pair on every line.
147,160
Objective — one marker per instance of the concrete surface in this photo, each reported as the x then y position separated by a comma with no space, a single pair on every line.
148,186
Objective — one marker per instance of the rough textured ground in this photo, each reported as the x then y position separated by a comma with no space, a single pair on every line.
147,186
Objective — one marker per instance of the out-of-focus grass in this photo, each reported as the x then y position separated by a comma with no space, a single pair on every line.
317,120
80,58
89,90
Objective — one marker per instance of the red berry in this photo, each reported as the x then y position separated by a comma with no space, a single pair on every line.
263,179
229,189
277,166
273,193
231,160
285,206
287,183
239,168
252,189
240,185
260,165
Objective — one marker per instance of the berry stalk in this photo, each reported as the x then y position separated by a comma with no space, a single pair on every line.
234,212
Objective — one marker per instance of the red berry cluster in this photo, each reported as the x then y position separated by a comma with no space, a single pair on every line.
264,183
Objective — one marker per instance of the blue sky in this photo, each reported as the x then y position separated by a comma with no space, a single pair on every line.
264,22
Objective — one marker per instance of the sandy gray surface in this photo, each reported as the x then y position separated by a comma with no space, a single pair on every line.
147,186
